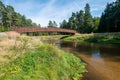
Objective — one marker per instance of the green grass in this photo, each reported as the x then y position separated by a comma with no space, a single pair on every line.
74,39
113,38
45,62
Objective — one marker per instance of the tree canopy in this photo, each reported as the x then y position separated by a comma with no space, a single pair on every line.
9,18
81,21
52,24
110,18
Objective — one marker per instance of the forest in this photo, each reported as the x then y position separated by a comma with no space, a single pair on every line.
84,22
9,18
81,21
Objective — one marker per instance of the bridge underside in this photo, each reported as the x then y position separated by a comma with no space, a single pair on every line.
44,31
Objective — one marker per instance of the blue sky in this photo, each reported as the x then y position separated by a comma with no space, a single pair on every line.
41,11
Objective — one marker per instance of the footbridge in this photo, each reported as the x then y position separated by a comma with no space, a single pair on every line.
24,30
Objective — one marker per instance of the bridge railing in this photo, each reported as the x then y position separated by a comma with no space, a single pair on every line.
26,30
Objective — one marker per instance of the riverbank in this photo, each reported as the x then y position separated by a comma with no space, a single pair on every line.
112,38
103,60
28,58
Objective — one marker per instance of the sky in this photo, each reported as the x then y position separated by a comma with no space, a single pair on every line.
41,11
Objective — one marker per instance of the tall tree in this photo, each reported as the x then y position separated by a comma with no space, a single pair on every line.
39,25
35,25
5,19
72,23
96,21
64,24
88,20
2,8
28,22
110,19
17,19
50,24
9,18
10,15
54,24
101,27
23,23
81,21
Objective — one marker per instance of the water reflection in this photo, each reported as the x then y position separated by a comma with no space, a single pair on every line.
103,59
96,54
96,57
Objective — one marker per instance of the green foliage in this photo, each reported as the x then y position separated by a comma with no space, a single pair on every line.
52,24
110,18
113,38
96,21
10,19
44,63
74,39
64,24
88,22
72,23
82,21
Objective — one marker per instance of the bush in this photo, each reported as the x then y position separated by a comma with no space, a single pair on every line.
44,63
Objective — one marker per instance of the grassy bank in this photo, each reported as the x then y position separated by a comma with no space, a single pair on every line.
113,38
34,60
48,37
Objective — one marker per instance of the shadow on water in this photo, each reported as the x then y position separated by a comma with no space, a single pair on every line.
103,60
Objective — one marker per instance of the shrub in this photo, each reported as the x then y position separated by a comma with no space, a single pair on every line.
44,63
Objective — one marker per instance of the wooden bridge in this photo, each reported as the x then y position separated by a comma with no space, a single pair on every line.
40,30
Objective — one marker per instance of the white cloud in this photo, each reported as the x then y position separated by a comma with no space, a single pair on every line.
41,12
51,12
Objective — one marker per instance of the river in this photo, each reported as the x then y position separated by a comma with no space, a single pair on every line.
103,60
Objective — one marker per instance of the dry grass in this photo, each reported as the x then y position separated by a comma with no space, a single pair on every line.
11,46
5,45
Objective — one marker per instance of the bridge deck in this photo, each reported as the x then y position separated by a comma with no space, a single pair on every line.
26,30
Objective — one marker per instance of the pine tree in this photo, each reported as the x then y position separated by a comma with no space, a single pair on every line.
50,24
23,23
96,21
54,24
64,24
80,19
110,19
72,23
2,8
10,15
9,18
88,20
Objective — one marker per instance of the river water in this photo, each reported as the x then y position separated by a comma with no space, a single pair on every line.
103,60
